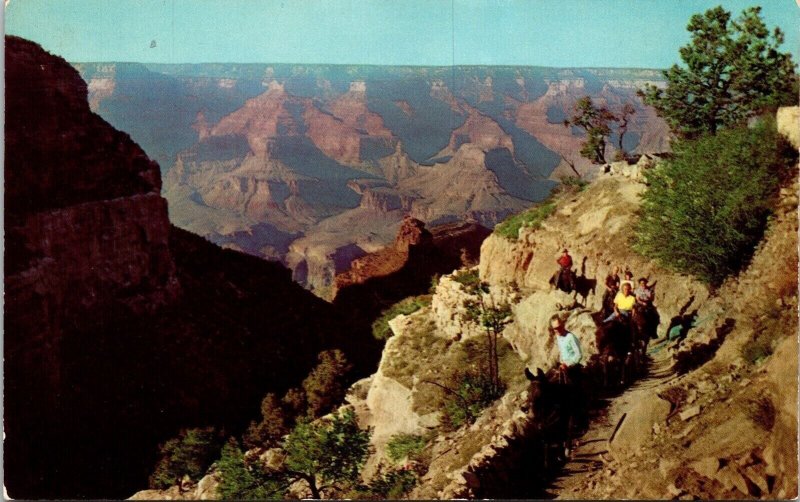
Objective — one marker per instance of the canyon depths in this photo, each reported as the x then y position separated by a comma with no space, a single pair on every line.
317,165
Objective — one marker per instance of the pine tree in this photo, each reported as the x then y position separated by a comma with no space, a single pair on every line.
731,71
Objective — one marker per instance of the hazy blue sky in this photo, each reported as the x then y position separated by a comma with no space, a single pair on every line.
624,33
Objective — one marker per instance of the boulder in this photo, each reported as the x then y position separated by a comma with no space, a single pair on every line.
207,488
707,467
690,413
529,334
732,478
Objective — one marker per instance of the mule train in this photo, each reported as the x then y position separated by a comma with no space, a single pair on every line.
560,400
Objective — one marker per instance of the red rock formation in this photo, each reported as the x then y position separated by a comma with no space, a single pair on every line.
412,233
389,259
379,279
332,135
340,132
259,119
481,131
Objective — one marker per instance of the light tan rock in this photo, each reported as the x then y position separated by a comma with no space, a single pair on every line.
730,477
689,413
636,429
529,334
758,476
707,467
788,118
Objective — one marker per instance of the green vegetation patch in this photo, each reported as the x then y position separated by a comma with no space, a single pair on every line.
405,446
189,454
769,329
475,391
380,327
419,352
243,480
573,184
467,278
532,218
707,208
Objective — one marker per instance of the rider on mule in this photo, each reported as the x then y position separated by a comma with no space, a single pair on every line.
570,369
645,294
565,270
612,288
623,304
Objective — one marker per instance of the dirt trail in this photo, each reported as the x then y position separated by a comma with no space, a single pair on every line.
588,457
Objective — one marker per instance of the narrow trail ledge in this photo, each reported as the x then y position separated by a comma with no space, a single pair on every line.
706,422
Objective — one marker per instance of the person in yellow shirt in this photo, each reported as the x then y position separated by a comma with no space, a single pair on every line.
623,303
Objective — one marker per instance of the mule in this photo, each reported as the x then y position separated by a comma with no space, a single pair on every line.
644,326
615,345
564,279
558,408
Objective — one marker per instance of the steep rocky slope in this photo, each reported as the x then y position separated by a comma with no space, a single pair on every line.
725,425
720,424
118,326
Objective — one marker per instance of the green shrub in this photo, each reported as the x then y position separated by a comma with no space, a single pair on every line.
392,484
405,446
327,452
533,218
574,183
381,329
768,330
707,208
189,454
271,428
758,348
475,392
467,278
325,386
762,412
294,402
242,480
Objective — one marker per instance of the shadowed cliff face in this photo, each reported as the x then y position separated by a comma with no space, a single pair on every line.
119,328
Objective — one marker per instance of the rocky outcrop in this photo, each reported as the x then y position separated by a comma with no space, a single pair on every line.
118,326
732,428
633,170
377,280
597,229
